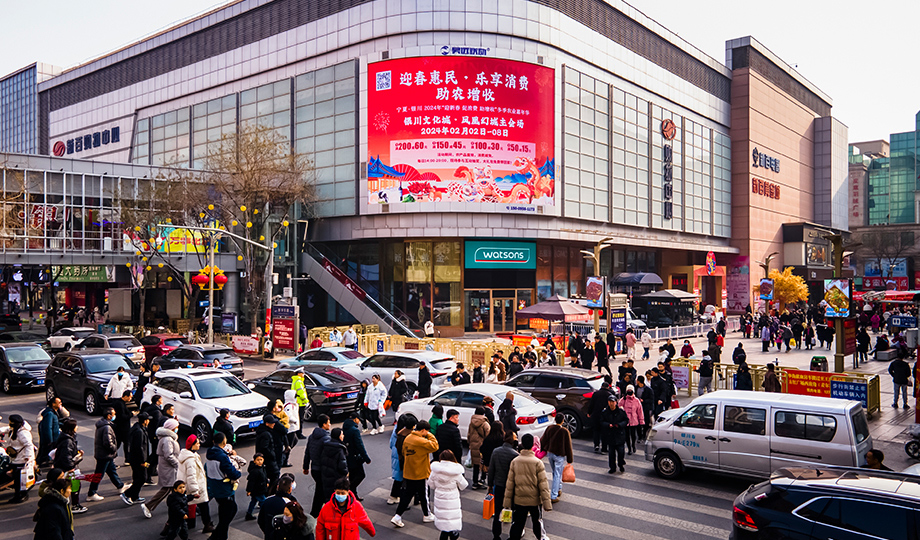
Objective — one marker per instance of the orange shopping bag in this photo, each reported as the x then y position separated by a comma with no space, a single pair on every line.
488,507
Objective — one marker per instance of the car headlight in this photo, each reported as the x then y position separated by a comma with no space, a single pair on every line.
20,371
651,434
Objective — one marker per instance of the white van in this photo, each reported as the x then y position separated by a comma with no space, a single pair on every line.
755,433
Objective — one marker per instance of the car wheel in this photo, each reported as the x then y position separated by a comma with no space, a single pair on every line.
571,421
7,385
90,403
913,449
668,465
49,392
202,430
309,411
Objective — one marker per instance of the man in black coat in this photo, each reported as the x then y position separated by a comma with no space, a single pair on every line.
499,466
333,462
613,423
600,352
647,396
311,460
661,391
223,425
459,376
424,380
265,445
357,454
138,451
274,506
448,435
595,406
155,414
738,355
122,423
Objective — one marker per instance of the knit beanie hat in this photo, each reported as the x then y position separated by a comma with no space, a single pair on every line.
190,442
171,424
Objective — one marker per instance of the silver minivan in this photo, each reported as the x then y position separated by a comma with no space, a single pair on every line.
755,433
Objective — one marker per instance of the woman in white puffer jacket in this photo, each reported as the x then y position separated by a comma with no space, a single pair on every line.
446,482
20,434
191,471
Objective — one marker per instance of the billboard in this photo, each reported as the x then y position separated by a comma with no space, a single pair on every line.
461,129
595,292
766,290
837,297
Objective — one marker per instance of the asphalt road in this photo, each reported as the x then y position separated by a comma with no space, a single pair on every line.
637,504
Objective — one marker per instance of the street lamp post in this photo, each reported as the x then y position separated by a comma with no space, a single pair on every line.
595,256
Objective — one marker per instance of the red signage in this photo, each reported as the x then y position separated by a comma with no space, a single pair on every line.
460,129
808,383
344,279
849,336
767,189
894,283
668,129
284,334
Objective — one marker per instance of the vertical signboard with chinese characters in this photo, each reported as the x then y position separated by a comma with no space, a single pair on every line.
668,131
285,327
462,129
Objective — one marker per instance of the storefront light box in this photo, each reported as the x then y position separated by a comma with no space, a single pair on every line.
490,254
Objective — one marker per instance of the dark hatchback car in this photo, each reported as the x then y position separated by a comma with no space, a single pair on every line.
330,390
22,366
567,389
83,376
833,502
204,356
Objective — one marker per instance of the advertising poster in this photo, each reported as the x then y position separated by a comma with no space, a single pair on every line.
837,298
462,129
594,292
808,383
855,390
766,290
681,375
618,321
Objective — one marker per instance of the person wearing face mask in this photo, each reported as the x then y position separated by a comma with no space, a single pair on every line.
273,507
341,517
122,423
105,449
295,525
118,384
168,464
632,406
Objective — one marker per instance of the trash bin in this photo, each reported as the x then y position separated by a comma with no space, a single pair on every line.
818,363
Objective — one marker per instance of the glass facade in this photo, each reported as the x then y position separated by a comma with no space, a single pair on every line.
630,159
19,112
587,121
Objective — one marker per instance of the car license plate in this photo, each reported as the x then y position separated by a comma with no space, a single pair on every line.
226,366
39,382
543,419
255,423
352,395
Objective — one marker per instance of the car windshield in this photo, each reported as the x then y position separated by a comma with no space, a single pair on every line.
351,355
80,334
220,387
332,377
596,382
520,399
175,342
27,355
448,365
223,354
124,343
106,362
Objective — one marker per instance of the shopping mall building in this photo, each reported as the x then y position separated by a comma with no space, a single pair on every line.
464,158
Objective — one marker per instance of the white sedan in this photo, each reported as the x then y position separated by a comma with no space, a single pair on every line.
65,338
532,416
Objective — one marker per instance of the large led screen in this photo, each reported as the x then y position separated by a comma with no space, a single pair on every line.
462,129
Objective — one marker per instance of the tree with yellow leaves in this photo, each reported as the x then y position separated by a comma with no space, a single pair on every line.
788,288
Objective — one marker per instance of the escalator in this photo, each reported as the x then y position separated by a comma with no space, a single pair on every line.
359,297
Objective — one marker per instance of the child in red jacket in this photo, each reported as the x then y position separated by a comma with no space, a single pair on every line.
342,515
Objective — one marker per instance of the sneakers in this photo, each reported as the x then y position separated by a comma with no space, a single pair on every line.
95,497
364,430
597,450
373,432
392,500
124,488
147,513
126,500
78,509
397,521
139,500
428,519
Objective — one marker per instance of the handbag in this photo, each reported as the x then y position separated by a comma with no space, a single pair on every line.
506,515
674,403
568,473
488,506
387,404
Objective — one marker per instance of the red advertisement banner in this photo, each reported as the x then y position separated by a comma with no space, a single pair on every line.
808,383
895,283
284,334
463,129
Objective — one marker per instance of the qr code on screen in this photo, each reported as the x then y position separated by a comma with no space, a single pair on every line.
384,80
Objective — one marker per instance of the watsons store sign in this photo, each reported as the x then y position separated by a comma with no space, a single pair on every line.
491,254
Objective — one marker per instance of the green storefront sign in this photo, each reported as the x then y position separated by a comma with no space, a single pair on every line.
499,254
84,274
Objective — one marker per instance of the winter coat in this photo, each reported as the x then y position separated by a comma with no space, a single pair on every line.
138,445
49,428
448,437
398,391
105,446
271,507
476,434
613,426
291,531
527,484
65,458
265,445
434,423
424,382
155,414
122,422
168,457
191,471
416,449
333,463
633,409
53,520
557,440
598,401
177,506
314,451
646,341
22,443
300,392
507,415
500,464
257,481
334,524
219,468
117,386
898,369
357,454
488,446
225,427
375,396
743,381
446,483
292,410
771,383
395,467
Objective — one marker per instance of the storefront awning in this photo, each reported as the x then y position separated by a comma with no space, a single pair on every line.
636,279
672,295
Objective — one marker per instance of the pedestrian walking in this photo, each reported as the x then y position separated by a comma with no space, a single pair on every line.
557,443
765,338
404,425
647,397
295,525
507,414
66,458
122,422
526,490
138,448
105,448
596,404
341,517
356,453
424,380
223,425
446,483
257,485
148,373
53,519
602,353
448,434
266,445
770,381
350,339
312,457
223,479
436,419
476,434
374,400
705,370
499,466
900,377
152,410
49,429
168,467
614,424
743,380
630,344
416,450
646,344
118,384
273,506
633,409
292,410
333,462
177,512
191,471
23,455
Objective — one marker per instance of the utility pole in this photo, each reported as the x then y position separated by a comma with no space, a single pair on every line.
213,241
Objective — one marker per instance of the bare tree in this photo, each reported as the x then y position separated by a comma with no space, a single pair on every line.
885,247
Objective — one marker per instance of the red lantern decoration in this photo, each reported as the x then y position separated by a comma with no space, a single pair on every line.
220,280
200,279
590,312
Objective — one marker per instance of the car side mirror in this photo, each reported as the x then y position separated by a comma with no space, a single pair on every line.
185,395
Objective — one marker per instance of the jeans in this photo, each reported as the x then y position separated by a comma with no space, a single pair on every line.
617,456
498,494
557,463
645,355
705,384
105,466
519,521
253,501
900,389
412,488
226,511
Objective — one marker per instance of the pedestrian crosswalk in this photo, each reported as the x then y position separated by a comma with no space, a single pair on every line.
620,506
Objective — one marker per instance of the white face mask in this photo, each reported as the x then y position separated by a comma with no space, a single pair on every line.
293,486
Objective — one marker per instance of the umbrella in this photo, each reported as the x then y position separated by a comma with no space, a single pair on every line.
555,308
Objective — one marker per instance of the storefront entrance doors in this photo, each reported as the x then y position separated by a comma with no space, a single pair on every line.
494,310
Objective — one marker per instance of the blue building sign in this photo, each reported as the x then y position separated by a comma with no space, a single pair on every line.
854,390
87,142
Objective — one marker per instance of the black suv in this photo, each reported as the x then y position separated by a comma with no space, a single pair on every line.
834,502
83,376
203,356
568,389
22,366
